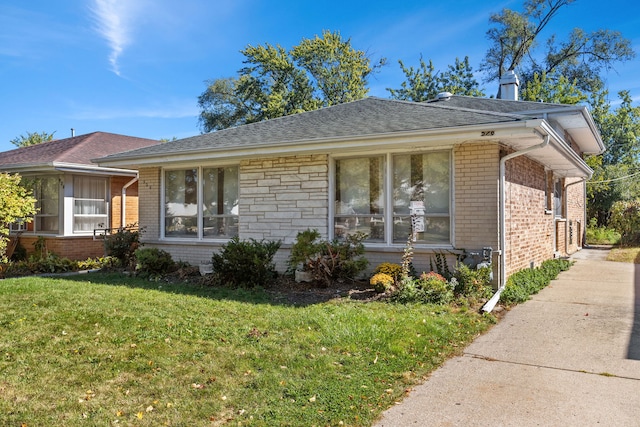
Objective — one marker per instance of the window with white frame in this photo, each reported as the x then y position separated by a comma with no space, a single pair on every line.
90,204
201,202
558,197
417,204
46,190
360,197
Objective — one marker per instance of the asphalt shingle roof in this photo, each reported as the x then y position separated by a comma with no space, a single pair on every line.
497,105
78,150
368,116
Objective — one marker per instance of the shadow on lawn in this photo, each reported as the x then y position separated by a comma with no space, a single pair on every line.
285,291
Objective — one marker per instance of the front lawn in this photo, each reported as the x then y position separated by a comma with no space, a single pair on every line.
625,254
105,349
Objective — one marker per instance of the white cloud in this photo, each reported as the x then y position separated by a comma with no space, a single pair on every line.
113,23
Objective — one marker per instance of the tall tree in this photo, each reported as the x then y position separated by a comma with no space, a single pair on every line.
275,82
616,171
424,83
515,37
32,139
16,204
553,89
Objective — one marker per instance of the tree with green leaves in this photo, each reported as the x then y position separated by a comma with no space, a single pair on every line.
32,139
581,57
424,83
274,82
16,204
552,88
616,171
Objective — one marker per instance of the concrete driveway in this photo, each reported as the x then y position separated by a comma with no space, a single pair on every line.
568,357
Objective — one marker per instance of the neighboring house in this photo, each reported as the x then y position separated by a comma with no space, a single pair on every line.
458,173
74,196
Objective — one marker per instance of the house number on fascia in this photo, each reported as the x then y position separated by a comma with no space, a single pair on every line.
487,133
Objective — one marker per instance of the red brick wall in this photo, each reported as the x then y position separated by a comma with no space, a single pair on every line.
575,215
529,231
74,248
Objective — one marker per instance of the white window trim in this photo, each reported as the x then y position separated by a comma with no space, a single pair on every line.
388,185
200,238
72,215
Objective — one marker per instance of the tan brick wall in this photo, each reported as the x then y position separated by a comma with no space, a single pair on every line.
529,230
575,215
476,195
149,204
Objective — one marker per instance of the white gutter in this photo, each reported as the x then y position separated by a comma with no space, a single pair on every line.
123,205
502,241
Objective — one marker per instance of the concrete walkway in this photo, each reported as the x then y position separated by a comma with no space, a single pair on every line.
568,357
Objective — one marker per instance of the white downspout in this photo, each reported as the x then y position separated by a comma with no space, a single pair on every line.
502,241
123,205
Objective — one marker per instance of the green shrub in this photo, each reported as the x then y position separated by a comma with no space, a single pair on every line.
19,253
382,282
521,285
153,261
245,263
305,248
472,283
123,244
329,261
393,270
625,219
430,288
601,235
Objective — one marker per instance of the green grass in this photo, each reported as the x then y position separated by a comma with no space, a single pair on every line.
629,255
104,349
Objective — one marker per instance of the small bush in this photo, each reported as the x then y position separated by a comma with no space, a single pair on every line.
305,248
123,244
153,261
245,263
472,283
625,219
601,235
382,282
329,261
430,288
521,285
393,270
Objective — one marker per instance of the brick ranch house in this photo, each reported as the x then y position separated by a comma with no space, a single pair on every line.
474,172
75,196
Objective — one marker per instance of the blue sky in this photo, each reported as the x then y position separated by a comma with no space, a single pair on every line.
136,67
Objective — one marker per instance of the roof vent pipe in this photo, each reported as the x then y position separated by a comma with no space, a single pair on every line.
73,132
509,84
444,96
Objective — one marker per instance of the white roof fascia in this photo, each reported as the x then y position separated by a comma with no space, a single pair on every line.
95,170
584,111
